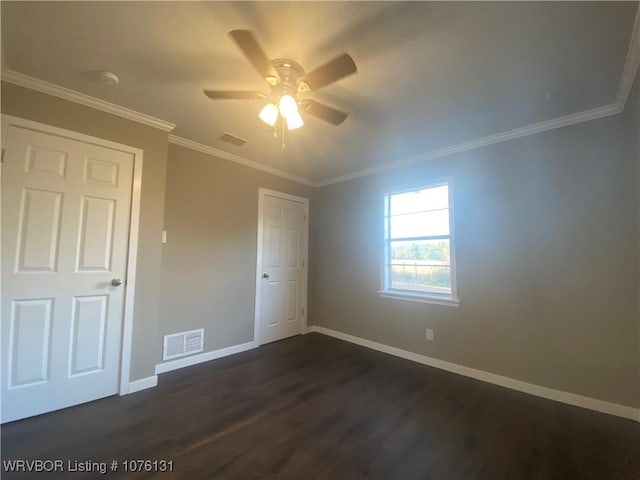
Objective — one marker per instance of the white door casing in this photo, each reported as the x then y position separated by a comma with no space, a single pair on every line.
66,216
281,270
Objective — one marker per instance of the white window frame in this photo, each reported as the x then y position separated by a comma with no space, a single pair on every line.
412,296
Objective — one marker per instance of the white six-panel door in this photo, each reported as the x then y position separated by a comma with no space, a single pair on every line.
65,225
282,276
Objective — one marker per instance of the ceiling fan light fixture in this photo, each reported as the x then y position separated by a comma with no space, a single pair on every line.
287,79
288,106
294,120
269,114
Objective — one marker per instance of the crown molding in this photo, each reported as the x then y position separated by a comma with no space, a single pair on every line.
631,64
214,152
532,129
23,80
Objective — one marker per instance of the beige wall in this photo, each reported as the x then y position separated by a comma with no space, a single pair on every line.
547,249
32,105
209,261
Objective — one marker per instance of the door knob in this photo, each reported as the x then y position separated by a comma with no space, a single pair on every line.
116,282
265,275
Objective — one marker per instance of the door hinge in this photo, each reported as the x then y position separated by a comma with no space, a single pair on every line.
303,311
303,264
304,215
2,157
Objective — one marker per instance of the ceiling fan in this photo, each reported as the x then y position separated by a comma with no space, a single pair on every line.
287,80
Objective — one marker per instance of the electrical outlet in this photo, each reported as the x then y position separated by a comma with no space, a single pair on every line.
430,334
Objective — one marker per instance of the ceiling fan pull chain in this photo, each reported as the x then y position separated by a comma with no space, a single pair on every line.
283,145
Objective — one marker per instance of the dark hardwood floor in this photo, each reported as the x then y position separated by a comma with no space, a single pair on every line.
316,407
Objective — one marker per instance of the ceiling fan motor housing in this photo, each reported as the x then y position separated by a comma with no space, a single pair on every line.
290,73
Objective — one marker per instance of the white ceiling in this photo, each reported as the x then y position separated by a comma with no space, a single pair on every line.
430,75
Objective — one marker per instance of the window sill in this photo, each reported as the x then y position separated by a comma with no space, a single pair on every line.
411,297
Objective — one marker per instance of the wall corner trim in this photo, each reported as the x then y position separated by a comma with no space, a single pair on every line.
204,357
631,64
215,152
530,388
26,81
142,384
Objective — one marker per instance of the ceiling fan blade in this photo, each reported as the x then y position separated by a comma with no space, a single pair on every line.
330,72
233,94
253,51
324,112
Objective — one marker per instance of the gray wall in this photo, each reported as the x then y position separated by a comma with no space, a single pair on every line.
32,105
209,261
547,251
547,243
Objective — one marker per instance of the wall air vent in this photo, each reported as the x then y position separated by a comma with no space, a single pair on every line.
227,137
183,343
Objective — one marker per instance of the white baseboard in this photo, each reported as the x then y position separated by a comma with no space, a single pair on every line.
530,388
143,384
203,357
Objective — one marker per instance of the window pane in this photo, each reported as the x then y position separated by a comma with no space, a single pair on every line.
425,252
422,266
433,198
420,278
421,224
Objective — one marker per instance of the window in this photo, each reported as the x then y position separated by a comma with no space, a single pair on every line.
419,260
